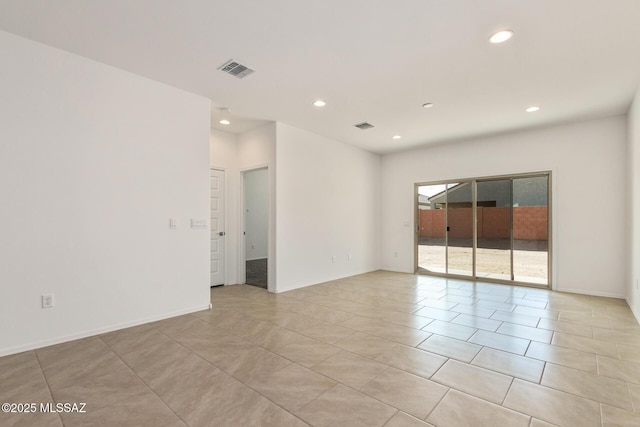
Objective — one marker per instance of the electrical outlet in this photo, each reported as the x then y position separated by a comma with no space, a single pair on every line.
47,300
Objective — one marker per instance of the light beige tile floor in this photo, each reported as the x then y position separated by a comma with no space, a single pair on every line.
379,349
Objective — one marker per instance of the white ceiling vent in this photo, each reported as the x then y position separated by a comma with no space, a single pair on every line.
235,69
364,126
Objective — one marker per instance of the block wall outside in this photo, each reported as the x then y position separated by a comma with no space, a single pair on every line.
529,223
431,223
495,223
460,223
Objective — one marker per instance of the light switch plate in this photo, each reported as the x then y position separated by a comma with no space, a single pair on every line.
199,223
173,223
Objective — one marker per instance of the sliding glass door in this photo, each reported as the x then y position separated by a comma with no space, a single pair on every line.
431,248
531,229
493,211
459,228
445,228
494,229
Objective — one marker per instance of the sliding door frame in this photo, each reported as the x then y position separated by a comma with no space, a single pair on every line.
474,181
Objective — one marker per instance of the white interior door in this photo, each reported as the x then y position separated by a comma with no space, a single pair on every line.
217,227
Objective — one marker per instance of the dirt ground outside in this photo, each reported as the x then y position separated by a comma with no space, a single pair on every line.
492,258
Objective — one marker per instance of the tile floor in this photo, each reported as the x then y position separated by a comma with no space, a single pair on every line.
379,349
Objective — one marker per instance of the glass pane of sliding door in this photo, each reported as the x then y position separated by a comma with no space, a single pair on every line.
531,229
432,245
493,254
459,204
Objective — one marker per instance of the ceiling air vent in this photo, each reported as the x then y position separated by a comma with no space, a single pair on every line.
235,69
364,126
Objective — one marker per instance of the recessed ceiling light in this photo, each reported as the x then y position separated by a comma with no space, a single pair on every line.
225,122
427,105
319,103
532,109
501,36
396,137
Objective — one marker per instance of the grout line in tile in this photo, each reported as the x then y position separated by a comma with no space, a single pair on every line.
544,368
440,367
375,376
437,404
527,349
569,392
601,414
393,415
633,402
508,390
476,356
46,381
142,379
242,382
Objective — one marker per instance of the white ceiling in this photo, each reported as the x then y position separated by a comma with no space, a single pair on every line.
375,60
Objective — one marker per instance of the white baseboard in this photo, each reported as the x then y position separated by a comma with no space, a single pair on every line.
636,314
93,332
595,294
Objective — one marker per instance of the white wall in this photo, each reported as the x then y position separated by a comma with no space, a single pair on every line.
257,149
224,156
328,205
93,163
256,213
633,282
588,163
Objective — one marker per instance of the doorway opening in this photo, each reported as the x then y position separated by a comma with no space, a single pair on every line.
256,226
493,228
